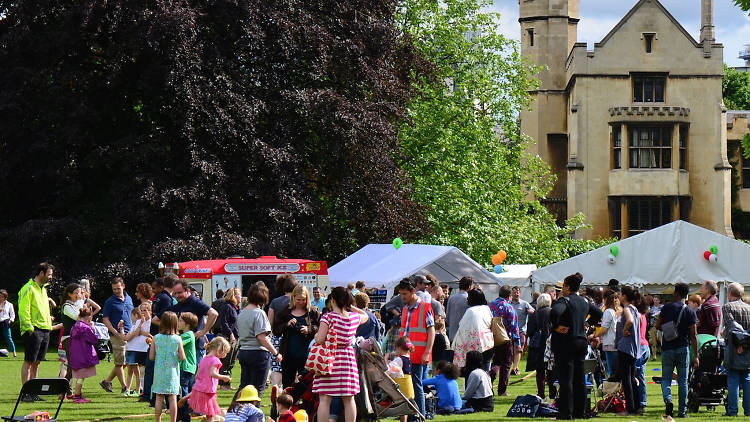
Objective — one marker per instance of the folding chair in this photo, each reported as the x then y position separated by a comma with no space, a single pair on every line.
589,368
41,387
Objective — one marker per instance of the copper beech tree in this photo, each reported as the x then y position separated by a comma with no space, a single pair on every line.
134,132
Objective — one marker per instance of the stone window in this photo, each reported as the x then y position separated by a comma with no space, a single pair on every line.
649,41
683,146
651,147
615,217
745,171
645,213
648,88
530,31
616,147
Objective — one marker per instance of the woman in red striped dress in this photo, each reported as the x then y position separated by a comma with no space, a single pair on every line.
344,378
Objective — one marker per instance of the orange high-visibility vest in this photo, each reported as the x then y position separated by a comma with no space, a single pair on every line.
417,329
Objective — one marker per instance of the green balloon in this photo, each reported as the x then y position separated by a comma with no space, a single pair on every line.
614,250
713,249
397,242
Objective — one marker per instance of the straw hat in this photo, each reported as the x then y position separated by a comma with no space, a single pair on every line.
248,393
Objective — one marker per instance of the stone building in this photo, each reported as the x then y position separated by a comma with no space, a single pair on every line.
635,129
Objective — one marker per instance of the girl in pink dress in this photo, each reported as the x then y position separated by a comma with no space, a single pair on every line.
343,381
203,397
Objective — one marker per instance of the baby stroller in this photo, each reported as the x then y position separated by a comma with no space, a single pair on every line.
103,349
707,382
379,395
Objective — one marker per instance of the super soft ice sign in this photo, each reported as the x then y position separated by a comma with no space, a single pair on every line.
262,268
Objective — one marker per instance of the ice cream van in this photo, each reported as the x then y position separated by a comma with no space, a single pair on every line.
209,276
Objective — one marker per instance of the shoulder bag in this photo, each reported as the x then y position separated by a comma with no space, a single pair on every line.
670,330
499,332
321,357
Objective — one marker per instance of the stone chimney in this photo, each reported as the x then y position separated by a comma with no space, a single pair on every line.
707,26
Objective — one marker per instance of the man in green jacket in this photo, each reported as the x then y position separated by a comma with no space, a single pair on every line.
35,320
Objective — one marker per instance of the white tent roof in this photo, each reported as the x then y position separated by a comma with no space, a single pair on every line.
515,274
383,266
668,254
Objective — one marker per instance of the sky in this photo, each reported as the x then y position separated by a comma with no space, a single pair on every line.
598,17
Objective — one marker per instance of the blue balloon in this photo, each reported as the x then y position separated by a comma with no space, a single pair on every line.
498,269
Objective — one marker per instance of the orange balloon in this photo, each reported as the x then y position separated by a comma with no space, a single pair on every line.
496,260
502,255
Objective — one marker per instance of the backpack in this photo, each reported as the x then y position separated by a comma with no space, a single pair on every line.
525,406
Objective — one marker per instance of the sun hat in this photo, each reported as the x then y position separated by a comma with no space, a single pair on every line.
248,393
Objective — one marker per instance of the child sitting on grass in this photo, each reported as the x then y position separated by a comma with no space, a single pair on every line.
245,406
449,398
478,392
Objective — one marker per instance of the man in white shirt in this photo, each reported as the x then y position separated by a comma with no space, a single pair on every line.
421,283
7,316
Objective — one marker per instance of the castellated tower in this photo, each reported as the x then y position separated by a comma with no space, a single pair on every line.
548,33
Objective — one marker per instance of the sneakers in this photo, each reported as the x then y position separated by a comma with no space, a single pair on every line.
669,409
80,400
106,385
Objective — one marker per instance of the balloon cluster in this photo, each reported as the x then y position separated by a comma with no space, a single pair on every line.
613,252
710,254
498,259
397,242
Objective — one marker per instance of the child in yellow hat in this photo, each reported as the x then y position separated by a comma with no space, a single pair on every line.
245,406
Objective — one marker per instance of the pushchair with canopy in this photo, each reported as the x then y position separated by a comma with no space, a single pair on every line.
707,383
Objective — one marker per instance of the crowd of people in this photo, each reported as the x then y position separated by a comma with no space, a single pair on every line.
170,348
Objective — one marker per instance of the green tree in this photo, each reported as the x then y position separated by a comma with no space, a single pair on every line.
735,89
743,4
135,132
463,147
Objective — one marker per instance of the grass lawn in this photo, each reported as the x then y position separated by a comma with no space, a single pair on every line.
114,406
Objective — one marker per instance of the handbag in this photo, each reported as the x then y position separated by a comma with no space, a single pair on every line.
670,329
321,357
499,332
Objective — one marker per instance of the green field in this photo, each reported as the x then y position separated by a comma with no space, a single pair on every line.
112,406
